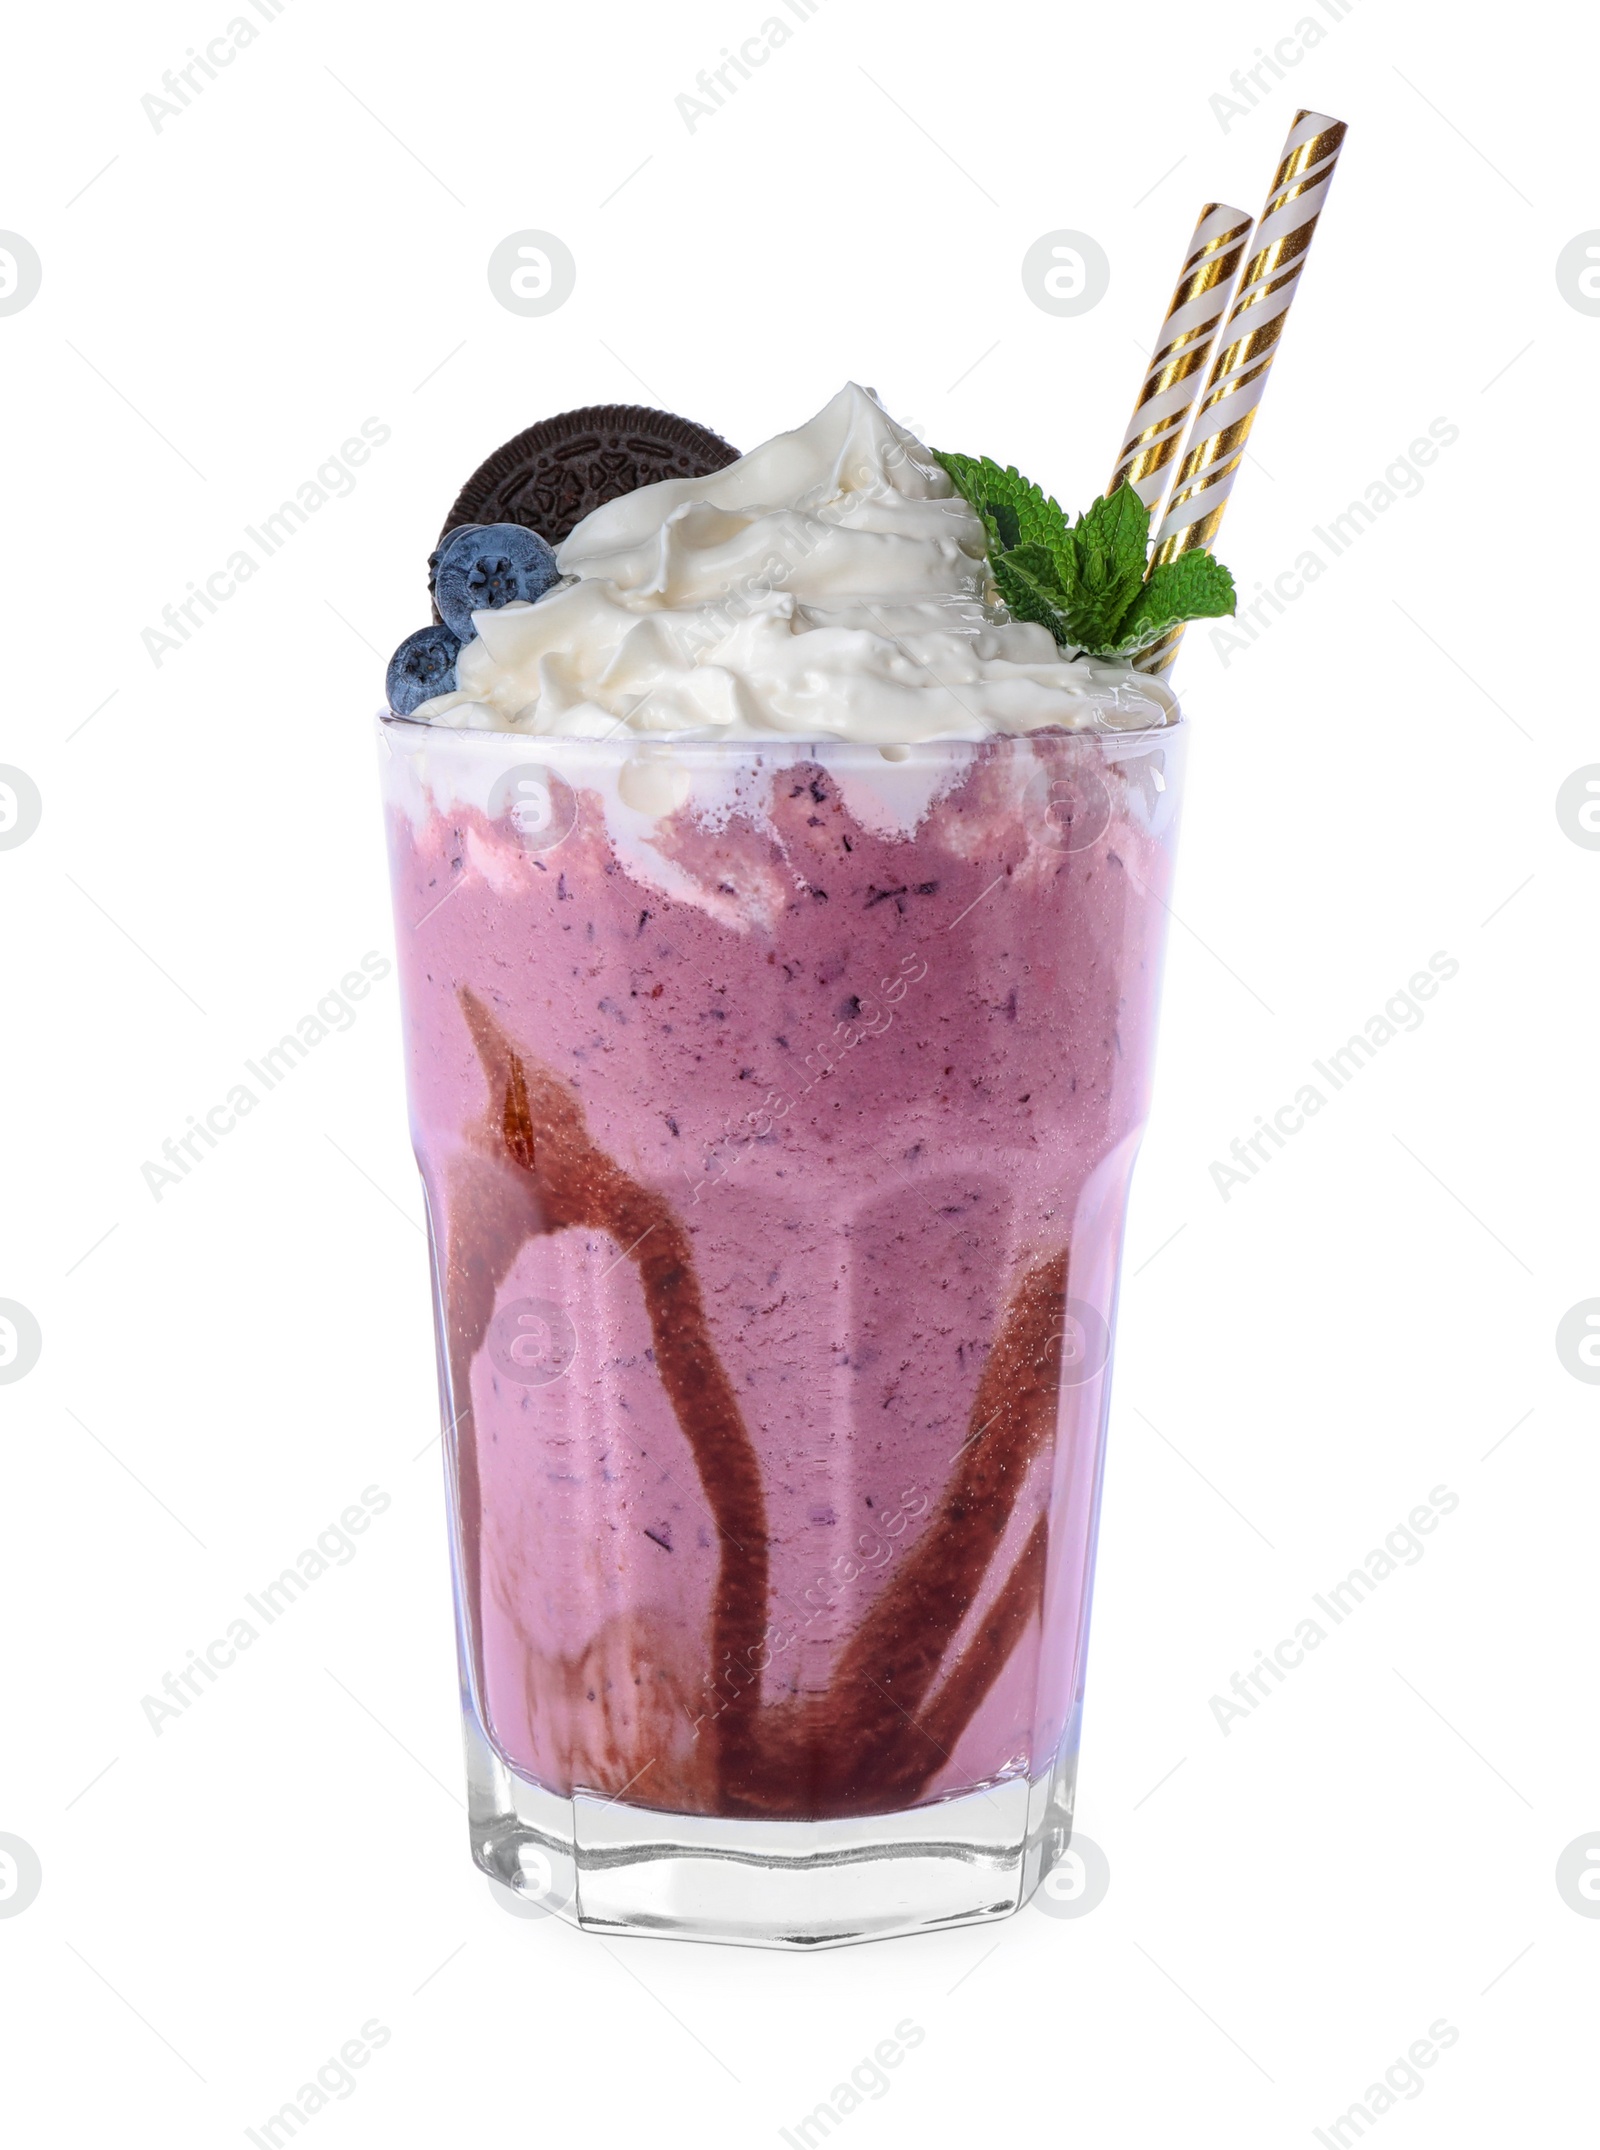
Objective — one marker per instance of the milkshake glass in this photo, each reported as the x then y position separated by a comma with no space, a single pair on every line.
775,1104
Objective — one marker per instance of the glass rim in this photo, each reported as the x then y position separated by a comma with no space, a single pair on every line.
666,744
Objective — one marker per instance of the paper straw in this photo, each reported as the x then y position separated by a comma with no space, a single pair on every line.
1177,368
1247,347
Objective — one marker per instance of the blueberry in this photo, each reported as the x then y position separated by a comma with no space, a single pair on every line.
461,530
482,567
424,665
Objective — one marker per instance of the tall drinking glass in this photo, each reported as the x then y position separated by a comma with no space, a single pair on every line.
775,1106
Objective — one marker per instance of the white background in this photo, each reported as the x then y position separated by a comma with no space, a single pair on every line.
224,301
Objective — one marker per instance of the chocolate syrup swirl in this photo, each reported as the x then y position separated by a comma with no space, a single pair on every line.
874,1739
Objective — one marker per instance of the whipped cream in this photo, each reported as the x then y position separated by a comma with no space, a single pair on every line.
829,585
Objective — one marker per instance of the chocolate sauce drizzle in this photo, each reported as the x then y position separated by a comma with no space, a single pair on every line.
874,1739
577,1184
867,1729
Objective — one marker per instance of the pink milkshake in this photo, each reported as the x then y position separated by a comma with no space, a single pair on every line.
780,927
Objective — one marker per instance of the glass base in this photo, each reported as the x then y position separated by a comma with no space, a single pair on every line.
612,1868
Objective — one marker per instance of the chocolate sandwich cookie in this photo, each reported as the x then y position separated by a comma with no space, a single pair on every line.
553,475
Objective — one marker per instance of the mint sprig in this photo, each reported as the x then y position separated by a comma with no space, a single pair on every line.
1103,561
1195,586
1086,581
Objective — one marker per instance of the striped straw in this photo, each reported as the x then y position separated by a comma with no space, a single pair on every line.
1248,346
1183,348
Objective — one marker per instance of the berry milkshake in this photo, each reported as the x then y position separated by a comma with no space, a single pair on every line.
780,922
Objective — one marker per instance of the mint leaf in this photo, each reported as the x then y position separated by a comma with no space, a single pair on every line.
1105,567
1195,586
1007,522
1042,565
1014,511
1026,580
1117,528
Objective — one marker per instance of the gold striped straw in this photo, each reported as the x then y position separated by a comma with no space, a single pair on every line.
1177,368
1246,350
